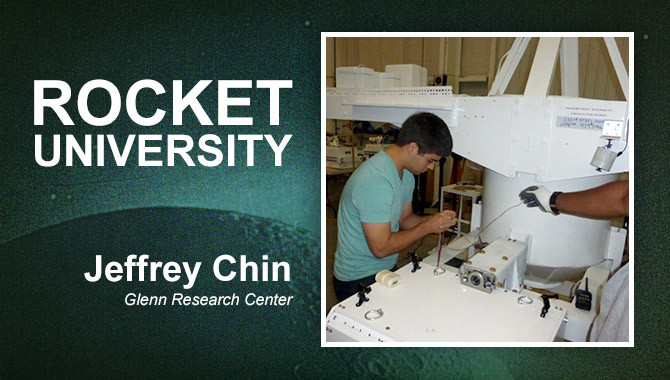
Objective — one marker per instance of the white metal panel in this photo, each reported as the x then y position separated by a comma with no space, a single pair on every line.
425,308
529,136
554,139
576,127
616,245
482,131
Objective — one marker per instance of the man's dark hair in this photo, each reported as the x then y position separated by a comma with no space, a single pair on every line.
428,131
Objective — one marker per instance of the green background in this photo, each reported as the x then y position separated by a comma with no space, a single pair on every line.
53,221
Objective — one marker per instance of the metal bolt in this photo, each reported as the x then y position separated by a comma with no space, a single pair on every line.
492,269
505,258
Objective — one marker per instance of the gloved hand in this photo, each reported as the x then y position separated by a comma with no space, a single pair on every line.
537,196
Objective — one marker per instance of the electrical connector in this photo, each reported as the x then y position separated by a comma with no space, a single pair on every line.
584,298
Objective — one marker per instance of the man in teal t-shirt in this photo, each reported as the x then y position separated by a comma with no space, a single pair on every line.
375,218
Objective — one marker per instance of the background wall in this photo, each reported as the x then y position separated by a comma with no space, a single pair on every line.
470,63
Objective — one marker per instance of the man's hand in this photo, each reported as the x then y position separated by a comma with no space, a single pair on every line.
441,221
536,196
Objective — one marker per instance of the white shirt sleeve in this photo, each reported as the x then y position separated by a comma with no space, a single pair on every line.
611,324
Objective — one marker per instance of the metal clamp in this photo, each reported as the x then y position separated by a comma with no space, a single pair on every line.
545,299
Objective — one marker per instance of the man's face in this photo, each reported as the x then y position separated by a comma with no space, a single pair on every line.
421,163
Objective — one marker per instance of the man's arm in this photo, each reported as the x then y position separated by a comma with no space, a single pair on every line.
606,201
382,242
409,219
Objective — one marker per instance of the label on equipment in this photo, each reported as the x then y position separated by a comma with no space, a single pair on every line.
594,118
579,123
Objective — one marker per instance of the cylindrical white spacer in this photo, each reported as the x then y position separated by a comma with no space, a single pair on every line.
387,278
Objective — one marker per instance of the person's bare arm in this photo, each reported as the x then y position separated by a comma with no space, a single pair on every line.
606,201
409,219
382,242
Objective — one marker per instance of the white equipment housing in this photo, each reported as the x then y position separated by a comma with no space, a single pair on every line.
500,265
342,157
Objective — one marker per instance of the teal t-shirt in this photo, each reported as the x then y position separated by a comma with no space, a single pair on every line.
373,194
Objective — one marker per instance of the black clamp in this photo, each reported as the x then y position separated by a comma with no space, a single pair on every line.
545,299
362,291
415,261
